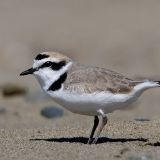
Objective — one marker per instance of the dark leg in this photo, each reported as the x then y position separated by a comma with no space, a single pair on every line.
103,123
96,121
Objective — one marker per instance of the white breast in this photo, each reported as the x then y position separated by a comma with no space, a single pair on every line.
90,104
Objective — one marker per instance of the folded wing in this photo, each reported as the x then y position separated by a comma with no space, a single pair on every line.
85,79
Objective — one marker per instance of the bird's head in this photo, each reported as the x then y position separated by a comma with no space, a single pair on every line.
48,67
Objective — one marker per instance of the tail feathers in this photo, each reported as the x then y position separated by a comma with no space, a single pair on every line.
140,88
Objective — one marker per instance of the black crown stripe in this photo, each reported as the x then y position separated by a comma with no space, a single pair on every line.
41,56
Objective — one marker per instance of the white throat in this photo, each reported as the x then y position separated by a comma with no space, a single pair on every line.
46,76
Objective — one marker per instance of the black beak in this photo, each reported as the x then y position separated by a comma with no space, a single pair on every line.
29,71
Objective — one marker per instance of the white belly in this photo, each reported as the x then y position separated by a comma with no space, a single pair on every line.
90,104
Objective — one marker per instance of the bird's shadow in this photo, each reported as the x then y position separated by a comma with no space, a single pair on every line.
84,140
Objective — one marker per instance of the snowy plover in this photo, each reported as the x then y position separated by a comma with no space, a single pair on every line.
86,90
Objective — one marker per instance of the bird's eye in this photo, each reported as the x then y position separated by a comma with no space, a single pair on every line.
58,66
47,64
53,65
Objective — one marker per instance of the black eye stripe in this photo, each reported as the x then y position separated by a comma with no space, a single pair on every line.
41,56
53,65
46,64
57,66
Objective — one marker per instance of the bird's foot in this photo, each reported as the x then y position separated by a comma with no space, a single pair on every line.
90,141
95,140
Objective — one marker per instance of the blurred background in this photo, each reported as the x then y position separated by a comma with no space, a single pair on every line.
120,35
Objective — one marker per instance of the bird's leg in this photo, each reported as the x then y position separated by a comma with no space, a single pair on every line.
96,121
103,123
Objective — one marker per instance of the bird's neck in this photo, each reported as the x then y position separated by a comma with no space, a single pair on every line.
52,80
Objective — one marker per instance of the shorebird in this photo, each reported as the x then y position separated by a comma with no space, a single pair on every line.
86,90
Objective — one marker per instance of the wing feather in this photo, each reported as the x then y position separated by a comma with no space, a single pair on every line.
86,79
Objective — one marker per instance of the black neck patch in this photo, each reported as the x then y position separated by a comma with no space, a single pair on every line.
41,56
58,83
